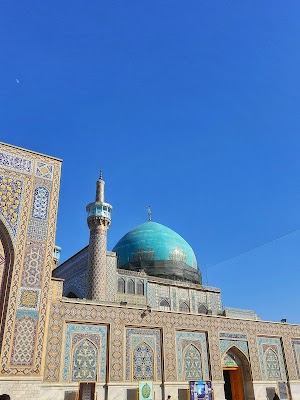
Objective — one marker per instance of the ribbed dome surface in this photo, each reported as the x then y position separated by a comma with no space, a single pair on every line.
153,241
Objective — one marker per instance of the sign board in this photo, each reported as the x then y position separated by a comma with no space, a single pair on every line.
200,390
282,389
145,390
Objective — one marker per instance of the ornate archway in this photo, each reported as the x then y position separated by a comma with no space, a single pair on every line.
6,268
237,375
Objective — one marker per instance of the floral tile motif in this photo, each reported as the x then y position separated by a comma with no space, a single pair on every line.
16,163
40,203
78,333
10,201
271,358
141,342
240,344
184,362
44,170
296,351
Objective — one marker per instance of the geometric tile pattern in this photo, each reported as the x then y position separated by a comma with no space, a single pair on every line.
296,351
272,365
96,274
37,229
25,329
40,203
120,318
10,200
185,365
76,334
231,335
23,342
143,362
84,367
111,277
271,358
44,170
16,163
225,345
2,266
139,343
192,364
33,264
29,299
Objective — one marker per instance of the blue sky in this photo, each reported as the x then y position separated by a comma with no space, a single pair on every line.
192,107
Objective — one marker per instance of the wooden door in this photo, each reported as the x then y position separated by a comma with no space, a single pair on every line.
236,381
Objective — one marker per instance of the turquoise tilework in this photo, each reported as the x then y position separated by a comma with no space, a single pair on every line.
183,340
274,344
135,337
100,334
241,345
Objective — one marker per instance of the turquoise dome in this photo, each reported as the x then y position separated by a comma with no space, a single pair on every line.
154,242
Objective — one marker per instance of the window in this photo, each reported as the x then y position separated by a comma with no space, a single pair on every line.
130,286
184,307
140,288
121,285
202,309
164,305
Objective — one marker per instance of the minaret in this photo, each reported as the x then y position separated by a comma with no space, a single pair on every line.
99,217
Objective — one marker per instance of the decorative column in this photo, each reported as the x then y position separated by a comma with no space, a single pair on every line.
99,218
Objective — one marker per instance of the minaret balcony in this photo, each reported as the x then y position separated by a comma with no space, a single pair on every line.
99,210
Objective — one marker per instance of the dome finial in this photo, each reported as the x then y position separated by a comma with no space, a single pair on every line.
149,213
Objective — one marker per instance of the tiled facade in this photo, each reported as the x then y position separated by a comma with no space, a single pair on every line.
139,330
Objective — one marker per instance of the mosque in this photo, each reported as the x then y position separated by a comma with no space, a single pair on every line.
132,323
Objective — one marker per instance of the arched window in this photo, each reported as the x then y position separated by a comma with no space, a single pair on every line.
130,286
85,362
202,309
184,307
272,365
121,285
140,288
192,364
164,305
143,362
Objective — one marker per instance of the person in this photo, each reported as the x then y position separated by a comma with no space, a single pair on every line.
276,397
4,396
169,397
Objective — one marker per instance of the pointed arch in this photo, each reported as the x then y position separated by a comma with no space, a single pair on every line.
241,360
130,286
272,365
5,277
143,362
140,287
202,309
84,365
121,285
192,363
164,305
184,307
